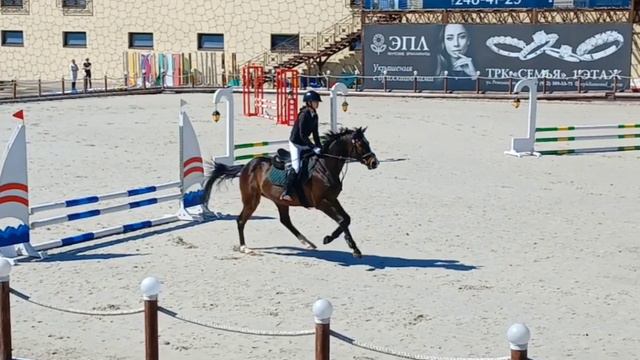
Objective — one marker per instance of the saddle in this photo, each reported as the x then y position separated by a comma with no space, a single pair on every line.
281,159
281,163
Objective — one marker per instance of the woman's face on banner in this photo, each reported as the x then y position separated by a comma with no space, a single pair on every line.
456,40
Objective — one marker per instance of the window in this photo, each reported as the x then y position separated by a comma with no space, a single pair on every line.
141,40
74,39
285,42
210,42
12,38
74,4
17,3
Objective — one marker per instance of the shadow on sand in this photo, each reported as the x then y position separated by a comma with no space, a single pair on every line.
79,253
374,262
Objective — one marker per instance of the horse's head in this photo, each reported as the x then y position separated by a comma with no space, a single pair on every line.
361,150
350,144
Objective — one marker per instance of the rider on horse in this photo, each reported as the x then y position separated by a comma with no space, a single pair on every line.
305,126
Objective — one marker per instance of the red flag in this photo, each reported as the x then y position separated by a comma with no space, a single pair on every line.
19,115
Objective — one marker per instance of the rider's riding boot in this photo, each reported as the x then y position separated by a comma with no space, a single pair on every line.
289,187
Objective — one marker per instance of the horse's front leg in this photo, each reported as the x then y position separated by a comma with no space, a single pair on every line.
335,211
334,235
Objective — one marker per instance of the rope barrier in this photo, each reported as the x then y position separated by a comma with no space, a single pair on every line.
399,354
28,299
248,331
235,329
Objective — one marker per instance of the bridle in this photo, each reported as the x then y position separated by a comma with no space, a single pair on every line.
348,159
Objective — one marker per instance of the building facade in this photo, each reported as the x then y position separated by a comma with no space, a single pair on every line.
39,38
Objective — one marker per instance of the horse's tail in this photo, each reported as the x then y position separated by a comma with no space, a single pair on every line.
220,173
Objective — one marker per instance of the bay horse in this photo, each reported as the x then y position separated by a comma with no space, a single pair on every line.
321,190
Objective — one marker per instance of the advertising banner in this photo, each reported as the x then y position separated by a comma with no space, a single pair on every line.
561,52
487,4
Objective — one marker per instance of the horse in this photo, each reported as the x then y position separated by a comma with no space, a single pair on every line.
321,190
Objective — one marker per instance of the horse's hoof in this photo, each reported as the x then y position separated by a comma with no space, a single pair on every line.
308,244
244,249
327,239
357,254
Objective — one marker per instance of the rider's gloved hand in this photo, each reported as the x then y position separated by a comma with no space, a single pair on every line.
317,150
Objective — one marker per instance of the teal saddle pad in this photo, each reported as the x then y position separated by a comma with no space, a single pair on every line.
279,177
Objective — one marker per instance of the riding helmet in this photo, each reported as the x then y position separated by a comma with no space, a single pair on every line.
311,96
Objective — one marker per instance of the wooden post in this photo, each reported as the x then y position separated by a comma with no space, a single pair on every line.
478,84
234,66
544,84
357,79
63,85
415,81
85,83
5,311
151,329
446,82
615,84
150,288
300,77
191,73
126,80
144,79
224,71
105,83
39,87
323,340
510,85
328,80
322,310
14,85
579,84
384,81
519,355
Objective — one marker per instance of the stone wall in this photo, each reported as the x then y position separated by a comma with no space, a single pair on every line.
247,27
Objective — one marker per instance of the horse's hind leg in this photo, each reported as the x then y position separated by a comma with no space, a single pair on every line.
285,219
250,201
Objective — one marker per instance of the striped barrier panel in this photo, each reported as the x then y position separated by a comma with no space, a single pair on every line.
14,198
526,145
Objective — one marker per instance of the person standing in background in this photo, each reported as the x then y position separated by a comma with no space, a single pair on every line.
73,69
87,73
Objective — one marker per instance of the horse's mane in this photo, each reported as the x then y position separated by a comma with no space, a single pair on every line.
332,136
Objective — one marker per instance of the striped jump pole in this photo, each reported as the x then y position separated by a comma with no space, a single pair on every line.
590,150
103,211
14,198
587,137
98,198
588,127
257,145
